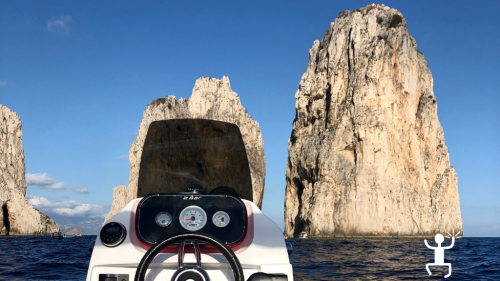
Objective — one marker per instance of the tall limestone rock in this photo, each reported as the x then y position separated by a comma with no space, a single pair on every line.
367,155
17,215
211,99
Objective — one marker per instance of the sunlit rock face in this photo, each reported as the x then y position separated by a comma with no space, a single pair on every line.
211,99
17,215
367,154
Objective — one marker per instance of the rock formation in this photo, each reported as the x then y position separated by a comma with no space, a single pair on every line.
367,155
211,99
17,215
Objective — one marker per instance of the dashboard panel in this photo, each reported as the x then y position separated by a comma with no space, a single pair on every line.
161,216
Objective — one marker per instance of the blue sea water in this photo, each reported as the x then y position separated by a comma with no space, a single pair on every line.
393,259
43,258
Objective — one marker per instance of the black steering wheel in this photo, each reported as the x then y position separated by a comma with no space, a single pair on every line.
187,272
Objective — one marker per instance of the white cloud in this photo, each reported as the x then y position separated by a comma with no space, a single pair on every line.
39,179
3,83
57,185
43,181
82,190
59,24
67,208
124,156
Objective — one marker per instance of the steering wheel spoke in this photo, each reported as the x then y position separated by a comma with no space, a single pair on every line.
182,253
197,253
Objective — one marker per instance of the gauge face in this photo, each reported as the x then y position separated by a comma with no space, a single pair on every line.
220,219
193,218
163,219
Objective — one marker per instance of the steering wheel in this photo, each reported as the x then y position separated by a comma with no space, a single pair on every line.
194,273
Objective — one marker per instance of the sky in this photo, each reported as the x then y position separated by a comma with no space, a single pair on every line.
80,74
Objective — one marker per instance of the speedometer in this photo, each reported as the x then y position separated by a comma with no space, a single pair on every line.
193,218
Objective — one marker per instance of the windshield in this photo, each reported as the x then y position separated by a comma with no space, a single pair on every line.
181,152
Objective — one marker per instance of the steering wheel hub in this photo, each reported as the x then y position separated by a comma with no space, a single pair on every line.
190,273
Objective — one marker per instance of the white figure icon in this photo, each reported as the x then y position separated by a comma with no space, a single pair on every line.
439,253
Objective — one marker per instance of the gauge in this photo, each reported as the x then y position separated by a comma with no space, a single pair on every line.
113,234
193,218
163,219
220,219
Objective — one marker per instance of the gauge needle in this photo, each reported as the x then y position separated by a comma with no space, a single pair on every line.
188,219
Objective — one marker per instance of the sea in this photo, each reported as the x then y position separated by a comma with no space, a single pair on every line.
43,258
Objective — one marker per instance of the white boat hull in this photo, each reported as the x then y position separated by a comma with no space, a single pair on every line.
262,250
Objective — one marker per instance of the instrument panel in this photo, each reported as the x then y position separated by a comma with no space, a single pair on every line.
161,216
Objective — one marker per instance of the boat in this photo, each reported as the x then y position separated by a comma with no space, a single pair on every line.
194,218
303,235
57,235
69,235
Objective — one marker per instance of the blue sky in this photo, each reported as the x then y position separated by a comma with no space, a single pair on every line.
80,74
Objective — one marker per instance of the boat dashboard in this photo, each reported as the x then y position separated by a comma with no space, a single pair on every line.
161,216
145,222
192,217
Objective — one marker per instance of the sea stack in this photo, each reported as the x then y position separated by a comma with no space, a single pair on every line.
210,99
17,215
367,156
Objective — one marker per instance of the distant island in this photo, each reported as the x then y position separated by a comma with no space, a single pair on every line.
73,231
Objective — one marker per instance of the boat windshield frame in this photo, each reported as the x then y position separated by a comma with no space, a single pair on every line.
178,153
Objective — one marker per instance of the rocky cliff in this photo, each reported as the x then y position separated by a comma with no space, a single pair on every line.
367,155
211,99
17,215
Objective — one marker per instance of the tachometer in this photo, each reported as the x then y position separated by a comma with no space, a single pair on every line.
193,218
221,219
